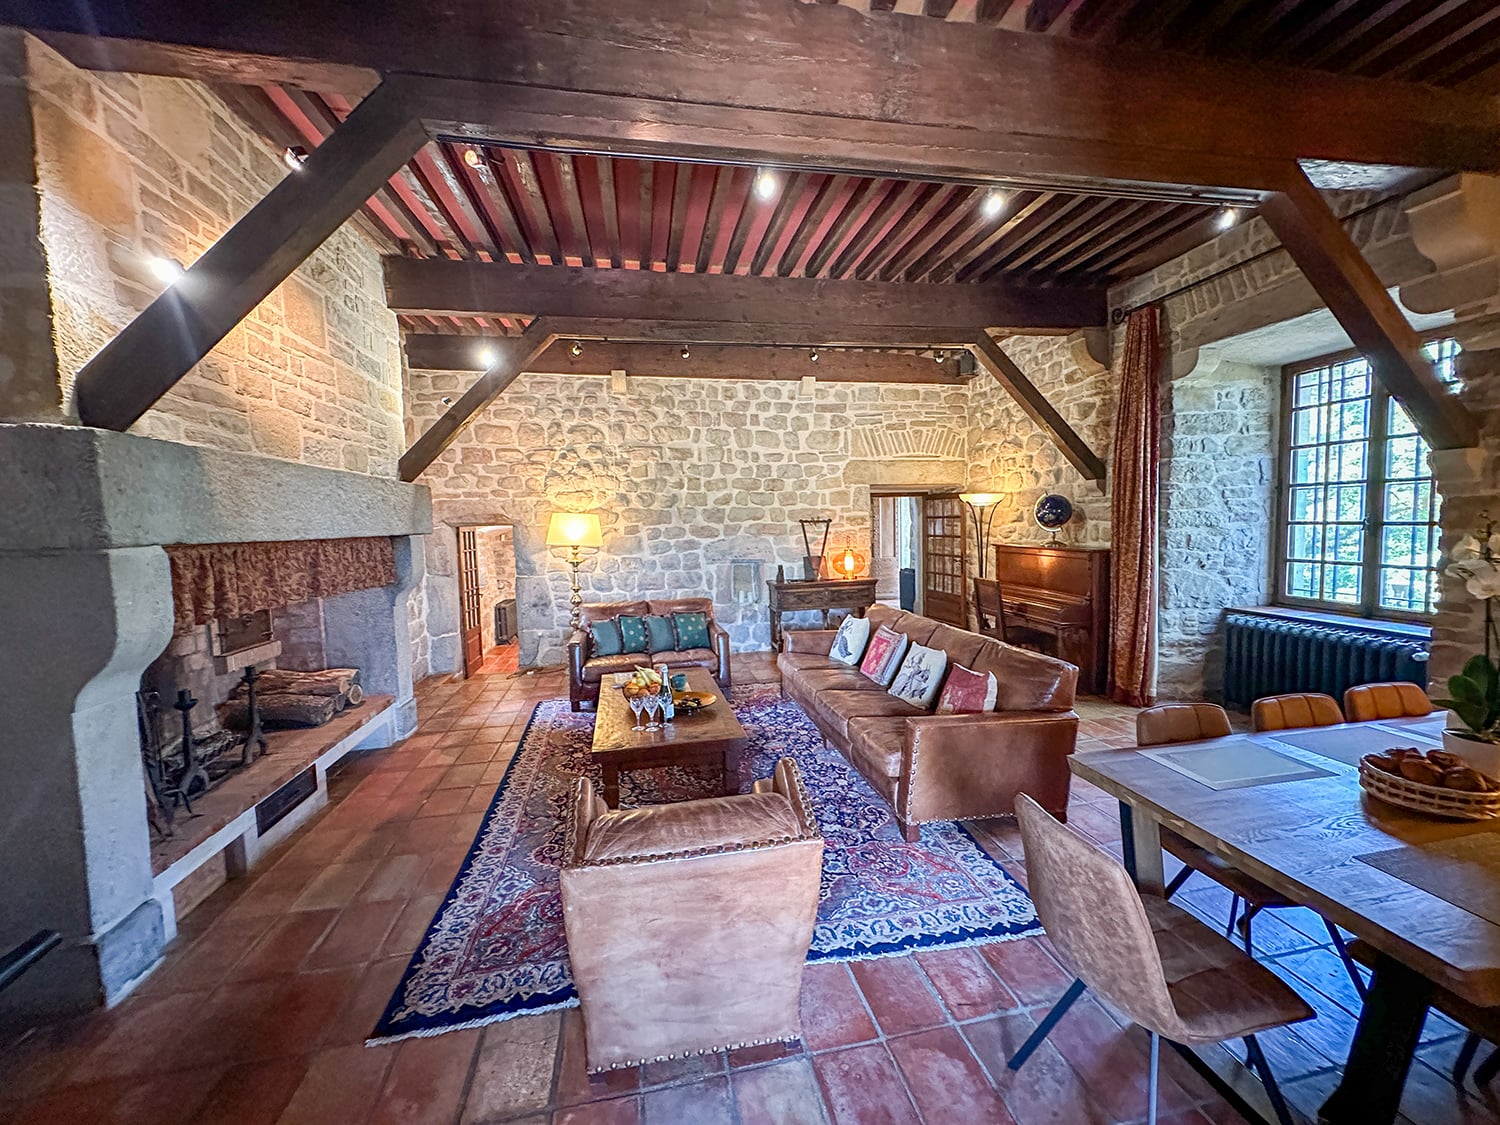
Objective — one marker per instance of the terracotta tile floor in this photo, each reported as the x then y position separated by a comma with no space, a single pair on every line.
259,1011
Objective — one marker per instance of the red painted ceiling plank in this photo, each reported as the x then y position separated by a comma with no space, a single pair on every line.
934,205
842,194
517,174
589,170
436,175
480,184
662,196
805,189
559,194
760,213
700,194
643,211
716,240
892,209
628,205
857,212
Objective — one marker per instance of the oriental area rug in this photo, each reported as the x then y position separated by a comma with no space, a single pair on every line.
496,947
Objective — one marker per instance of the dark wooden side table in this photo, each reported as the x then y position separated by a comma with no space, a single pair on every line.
823,594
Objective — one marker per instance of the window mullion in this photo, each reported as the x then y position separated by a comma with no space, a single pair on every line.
1375,454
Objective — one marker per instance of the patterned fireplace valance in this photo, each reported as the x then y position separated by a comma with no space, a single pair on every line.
232,579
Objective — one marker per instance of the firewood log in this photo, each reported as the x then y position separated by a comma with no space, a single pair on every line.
283,709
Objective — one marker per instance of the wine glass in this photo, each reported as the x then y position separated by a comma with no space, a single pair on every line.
653,708
636,701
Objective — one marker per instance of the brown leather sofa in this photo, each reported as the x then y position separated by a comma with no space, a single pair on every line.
943,767
585,669
715,961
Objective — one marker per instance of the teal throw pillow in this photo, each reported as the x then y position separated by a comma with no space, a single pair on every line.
632,632
692,630
606,635
660,636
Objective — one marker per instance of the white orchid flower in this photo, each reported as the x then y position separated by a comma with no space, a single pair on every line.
1468,548
1479,576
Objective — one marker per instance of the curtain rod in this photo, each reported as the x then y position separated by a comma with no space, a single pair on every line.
1117,316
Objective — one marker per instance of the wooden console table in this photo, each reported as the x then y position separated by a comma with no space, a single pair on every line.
823,594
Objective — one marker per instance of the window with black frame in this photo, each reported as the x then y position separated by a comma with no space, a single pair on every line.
1359,514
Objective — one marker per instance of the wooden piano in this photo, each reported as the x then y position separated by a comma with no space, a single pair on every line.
1063,593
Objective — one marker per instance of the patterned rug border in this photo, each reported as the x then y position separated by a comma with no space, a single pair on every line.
538,1003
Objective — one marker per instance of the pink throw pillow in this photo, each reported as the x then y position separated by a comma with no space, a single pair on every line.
883,655
968,692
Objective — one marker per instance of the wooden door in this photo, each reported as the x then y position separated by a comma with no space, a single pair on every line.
945,597
470,627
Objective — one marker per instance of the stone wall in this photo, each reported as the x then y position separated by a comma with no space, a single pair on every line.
687,476
134,168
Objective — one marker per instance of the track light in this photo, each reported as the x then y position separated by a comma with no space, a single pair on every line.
165,270
993,205
472,158
487,357
939,356
447,400
813,356
766,185
1227,218
685,353
293,156
576,349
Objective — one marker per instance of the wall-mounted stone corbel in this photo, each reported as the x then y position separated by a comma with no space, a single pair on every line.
1455,223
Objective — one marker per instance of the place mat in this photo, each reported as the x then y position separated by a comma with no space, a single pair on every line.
1234,763
1348,744
1464,870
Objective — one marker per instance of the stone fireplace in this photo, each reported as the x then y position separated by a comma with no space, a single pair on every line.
86,607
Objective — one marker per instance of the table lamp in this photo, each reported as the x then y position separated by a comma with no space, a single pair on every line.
574,537
982,508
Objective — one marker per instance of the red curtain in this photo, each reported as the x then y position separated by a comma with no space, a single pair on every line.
1133,507
232,579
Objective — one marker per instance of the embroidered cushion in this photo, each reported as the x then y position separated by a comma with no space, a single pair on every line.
632,632
606,638
692,630
920,676
883,655
849,645
660,635
968,692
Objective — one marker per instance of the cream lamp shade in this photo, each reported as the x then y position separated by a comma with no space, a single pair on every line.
980,499
574,529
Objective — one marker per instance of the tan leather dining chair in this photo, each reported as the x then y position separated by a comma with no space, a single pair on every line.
1386,701
1295,710
688,924
1168,723
1153,961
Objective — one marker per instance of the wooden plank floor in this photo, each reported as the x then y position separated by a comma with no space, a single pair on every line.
260,1010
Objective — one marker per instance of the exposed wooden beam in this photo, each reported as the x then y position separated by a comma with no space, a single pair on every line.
706,361
513,355
848,93
1326,255
247,263
992,358
492,289
831,332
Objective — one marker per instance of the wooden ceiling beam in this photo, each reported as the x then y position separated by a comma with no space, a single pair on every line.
707,361
1038,408
848,94
1326,255
156,349
513,355
456,288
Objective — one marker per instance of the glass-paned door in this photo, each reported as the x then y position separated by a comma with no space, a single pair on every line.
943,560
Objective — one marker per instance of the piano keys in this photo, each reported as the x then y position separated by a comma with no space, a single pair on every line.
1062,593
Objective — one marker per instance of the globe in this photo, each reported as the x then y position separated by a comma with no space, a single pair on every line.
1052,511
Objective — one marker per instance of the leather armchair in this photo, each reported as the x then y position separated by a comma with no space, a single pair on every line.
716,960
585,670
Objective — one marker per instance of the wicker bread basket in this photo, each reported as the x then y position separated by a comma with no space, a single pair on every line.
1455,804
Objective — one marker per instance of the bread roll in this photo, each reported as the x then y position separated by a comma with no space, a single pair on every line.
1419,769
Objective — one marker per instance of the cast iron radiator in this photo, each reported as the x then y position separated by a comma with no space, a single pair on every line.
1270,655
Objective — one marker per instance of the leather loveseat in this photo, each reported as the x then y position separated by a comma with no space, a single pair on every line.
942,767
586,667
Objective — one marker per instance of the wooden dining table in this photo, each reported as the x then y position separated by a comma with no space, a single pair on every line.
1318,839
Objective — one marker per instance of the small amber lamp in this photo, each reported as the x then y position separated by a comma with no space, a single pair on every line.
848,562
570,535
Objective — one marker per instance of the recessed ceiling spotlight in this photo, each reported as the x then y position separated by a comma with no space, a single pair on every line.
472,158
487,357
1227,218
293,156
165,270
685,353
993,205
576,349
813,355
939,356
766,185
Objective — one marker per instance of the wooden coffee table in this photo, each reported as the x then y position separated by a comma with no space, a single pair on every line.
710,736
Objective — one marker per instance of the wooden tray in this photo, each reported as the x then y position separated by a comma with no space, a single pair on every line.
690,701
1455,804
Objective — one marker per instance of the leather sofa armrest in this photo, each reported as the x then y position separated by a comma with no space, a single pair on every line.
587,807
957,766
577,648
718,638
817,641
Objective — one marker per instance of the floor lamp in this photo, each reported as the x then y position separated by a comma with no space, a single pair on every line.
574,537
982,508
